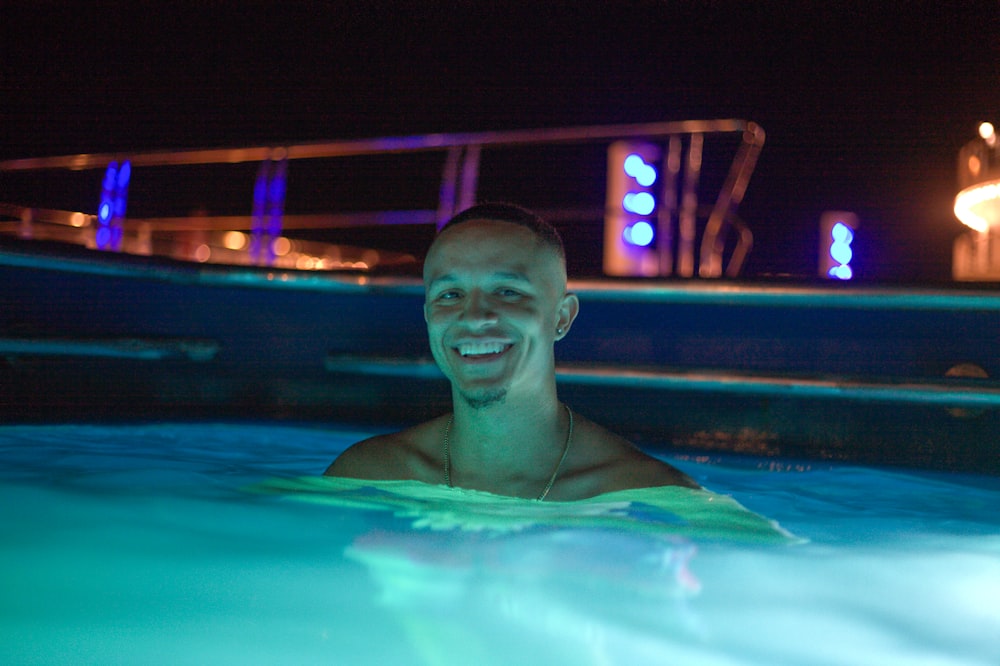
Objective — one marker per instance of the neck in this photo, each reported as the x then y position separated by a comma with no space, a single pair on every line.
503,447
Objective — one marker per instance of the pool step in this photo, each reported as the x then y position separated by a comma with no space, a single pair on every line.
949,392
142,349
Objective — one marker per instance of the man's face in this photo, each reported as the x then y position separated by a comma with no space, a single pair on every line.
495,296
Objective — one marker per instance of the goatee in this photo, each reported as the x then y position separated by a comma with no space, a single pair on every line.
485,399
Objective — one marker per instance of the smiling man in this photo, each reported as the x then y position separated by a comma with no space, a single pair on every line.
496,303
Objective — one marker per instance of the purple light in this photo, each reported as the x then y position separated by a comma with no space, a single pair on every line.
111,176
103,237
124,174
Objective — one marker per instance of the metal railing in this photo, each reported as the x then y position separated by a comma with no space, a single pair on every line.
459,184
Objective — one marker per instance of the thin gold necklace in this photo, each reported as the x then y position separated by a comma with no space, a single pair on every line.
555,472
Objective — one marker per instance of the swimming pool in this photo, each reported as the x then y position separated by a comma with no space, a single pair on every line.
192,543
855,374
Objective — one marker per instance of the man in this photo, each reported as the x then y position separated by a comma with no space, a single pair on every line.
496,303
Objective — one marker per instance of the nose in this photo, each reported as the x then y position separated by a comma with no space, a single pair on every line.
479,310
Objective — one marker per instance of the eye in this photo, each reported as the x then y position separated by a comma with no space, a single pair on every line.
507,292
448,295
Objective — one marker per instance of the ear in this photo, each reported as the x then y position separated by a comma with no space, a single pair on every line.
568,309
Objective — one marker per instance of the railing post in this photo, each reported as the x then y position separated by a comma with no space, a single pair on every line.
26,229
111,210
268,208
724,211
688,222
470,177
667,212
449,180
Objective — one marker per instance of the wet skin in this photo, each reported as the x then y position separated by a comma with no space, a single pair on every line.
496,303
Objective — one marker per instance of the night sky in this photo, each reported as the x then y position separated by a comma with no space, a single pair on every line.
865,104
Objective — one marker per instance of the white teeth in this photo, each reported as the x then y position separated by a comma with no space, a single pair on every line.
479,348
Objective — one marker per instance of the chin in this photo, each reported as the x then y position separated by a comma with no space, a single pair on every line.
486,398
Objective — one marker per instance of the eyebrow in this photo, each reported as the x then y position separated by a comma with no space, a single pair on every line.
498,275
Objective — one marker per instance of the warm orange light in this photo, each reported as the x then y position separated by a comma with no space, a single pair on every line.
78,220
234,240
987,132
978,207
281,246
306,263
203,253
974,165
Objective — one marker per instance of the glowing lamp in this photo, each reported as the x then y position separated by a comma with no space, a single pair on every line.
978,207
111,210
234,240
835,252
630,210
281,246
639,234
842,272
637,168
124,174
640,203
987,133
840,248
268,208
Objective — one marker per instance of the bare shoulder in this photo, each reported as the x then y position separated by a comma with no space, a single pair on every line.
607,462
399,455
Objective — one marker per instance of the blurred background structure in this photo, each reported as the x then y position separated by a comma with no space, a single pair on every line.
865,105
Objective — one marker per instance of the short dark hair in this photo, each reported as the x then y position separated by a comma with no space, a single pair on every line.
508,212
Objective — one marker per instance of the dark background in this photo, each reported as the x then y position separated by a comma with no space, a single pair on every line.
865,104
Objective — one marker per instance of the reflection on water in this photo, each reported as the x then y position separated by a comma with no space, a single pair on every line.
464,552
174,544
570,595
605,580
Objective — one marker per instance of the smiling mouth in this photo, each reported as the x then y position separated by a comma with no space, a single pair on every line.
481,350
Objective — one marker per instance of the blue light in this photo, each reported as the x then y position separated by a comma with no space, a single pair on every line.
124,174
842,272
277,191
842,233
640,203
111,210
841,252
260,189
103,237
640,234
111,176
636,167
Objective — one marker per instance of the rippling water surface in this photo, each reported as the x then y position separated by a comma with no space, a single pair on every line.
211,543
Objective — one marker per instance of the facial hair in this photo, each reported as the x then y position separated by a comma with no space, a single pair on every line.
485,399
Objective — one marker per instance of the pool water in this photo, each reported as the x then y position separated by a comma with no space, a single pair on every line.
213,543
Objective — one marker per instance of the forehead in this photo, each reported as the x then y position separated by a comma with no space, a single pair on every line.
487,245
